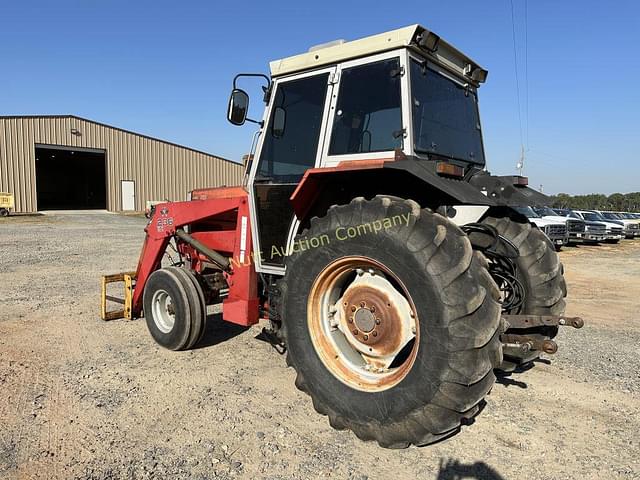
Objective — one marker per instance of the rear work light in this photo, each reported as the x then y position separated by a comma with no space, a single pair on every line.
517,180
444,168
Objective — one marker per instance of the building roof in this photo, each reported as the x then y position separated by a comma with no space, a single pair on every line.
340,51
121,130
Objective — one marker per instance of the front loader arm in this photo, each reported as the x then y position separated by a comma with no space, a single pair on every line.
215,238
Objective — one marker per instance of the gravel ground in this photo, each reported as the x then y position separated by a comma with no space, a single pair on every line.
85,399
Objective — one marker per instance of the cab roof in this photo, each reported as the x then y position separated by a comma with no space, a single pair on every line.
411,37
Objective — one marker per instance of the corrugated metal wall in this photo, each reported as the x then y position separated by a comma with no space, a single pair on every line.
160,170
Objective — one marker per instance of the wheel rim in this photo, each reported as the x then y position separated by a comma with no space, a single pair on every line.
164,315
363,324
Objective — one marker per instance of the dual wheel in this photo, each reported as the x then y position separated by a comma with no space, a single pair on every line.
174,308
541,275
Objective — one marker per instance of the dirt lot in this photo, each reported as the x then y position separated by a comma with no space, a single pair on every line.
80,398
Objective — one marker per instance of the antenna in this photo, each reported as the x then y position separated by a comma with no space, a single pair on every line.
520,164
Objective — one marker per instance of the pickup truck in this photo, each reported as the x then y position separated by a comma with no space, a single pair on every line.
575,226
594,232
556,230
615,230
630,224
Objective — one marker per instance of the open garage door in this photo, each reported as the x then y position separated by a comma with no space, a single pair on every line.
68,178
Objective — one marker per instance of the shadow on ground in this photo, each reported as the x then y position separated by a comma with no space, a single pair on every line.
455,470
506,378
218,331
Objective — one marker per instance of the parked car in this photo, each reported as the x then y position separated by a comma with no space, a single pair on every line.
556,230
615,230
594,232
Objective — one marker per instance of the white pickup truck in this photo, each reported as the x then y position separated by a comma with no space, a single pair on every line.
615,230
556,230
576,228
630,224
594,232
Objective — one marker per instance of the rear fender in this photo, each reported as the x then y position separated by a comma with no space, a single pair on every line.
320,188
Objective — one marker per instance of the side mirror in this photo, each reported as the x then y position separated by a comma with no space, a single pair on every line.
279,122
238,107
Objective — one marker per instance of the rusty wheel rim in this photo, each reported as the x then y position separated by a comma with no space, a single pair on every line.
363,323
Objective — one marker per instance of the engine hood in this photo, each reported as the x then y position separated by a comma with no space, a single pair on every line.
543,222
559,219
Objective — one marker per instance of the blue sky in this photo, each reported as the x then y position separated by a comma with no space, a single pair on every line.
165,69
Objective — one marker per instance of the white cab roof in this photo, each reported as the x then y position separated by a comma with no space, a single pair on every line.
336,52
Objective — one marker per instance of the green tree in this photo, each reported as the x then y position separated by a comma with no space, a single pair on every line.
623,202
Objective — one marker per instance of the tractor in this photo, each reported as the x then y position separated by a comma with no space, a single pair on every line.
370,239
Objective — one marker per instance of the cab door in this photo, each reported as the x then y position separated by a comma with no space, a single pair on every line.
291,143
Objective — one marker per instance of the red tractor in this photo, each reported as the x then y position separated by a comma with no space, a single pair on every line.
368,234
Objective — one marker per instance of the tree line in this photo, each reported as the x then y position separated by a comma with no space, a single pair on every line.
619,202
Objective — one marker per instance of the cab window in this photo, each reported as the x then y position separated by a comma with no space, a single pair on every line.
292,135
368,117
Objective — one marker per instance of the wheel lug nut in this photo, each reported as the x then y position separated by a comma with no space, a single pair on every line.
366,337
375,334
373,309
362,304
377,321
353,308
350,319
355,332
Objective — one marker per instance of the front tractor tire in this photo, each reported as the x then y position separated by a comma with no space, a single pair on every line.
393,332
174,308
541,275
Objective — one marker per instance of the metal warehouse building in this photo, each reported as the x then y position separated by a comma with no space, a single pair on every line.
67,162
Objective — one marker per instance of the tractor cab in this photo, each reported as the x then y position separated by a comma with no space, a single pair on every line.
404,94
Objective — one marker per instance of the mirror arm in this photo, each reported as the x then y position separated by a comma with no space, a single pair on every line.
267,89
259,122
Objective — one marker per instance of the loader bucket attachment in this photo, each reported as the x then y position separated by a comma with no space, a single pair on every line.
128,278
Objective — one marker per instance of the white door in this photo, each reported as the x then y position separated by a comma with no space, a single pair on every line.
128,188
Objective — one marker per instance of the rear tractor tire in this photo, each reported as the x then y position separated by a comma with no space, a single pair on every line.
174,308
393,332
541,274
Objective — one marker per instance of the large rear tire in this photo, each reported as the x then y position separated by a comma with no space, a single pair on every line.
345,303
540,272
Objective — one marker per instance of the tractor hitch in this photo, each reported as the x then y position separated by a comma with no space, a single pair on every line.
520,334
532,321
525,343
